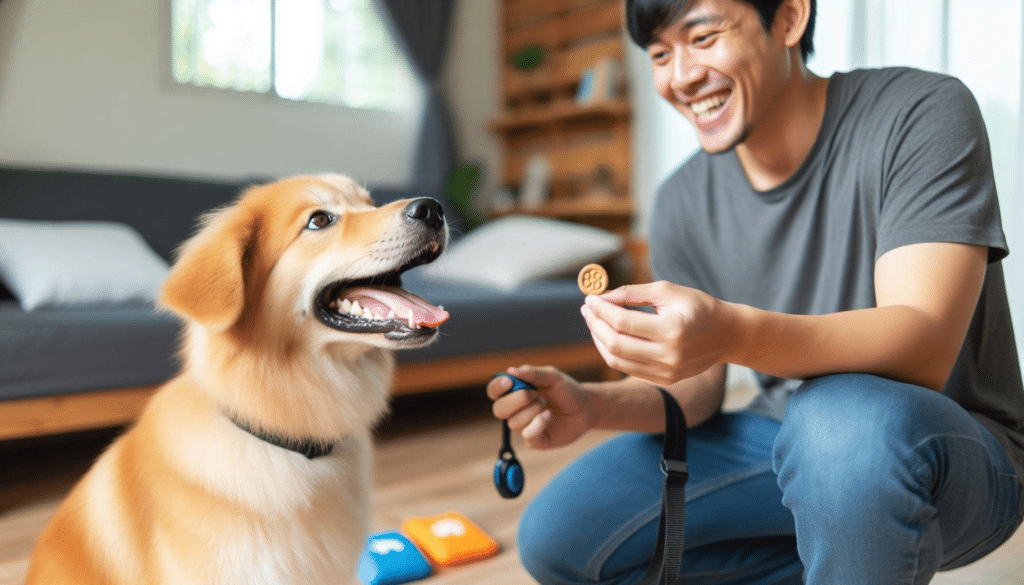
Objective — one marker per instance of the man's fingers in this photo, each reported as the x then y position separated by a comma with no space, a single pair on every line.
645,370
498,386
541,377
616,341
535,434
506,406
633,295
523,417
627,321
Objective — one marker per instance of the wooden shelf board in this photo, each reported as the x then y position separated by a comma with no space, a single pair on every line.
560,112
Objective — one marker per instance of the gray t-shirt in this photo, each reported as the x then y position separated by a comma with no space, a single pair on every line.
902,157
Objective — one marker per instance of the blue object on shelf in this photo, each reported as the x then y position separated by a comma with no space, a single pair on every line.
391,558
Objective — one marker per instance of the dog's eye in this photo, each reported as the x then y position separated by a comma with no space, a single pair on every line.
319,220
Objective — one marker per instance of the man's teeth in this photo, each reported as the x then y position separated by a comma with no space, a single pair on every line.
353,308
704,106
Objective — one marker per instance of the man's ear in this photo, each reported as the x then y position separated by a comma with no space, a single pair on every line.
207,282
792,17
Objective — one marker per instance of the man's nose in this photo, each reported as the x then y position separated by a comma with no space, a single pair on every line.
687,74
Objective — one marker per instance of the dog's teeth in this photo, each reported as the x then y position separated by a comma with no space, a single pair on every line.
392,315
412,323
346,305
356,309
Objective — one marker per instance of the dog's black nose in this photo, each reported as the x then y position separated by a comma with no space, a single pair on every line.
426,210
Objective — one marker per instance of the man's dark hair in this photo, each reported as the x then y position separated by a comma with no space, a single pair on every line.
645,17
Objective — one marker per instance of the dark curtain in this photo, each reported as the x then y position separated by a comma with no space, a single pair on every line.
423,29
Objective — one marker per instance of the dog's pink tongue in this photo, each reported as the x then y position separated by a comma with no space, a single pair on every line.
384,300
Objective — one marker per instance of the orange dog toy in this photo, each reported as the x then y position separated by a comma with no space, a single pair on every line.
450,539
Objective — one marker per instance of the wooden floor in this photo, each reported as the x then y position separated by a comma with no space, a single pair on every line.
435,453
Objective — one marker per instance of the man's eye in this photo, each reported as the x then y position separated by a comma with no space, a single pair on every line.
319,220
703,39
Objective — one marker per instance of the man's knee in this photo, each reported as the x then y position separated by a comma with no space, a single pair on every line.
843,414
539,541
585,505
846,433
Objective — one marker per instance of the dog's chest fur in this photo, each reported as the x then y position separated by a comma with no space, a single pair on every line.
270,516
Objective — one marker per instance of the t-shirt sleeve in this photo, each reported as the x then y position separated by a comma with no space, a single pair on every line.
939,186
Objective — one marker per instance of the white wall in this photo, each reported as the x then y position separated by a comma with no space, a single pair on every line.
473,84
86,84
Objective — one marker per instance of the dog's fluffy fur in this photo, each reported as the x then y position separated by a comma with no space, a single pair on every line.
186,495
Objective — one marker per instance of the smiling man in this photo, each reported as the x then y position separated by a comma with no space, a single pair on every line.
841,237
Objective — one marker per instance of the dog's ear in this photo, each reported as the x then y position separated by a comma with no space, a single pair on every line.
207,282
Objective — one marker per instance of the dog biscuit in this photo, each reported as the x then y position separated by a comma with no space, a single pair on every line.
593,279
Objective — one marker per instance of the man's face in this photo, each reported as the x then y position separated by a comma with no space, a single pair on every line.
720,69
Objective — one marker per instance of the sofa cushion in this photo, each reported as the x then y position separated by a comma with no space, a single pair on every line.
77,263
63,350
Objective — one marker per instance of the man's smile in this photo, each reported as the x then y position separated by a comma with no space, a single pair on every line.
707,107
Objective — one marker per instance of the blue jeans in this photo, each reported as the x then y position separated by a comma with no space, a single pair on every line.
866,480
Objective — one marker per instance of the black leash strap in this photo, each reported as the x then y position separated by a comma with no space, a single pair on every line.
668,556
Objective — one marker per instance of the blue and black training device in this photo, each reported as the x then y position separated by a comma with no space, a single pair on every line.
508,471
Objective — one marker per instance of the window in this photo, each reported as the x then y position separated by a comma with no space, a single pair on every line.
329,51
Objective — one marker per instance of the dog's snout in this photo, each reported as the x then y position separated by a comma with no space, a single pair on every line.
426,210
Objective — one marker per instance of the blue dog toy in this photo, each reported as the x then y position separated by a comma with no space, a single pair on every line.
508,471
390,558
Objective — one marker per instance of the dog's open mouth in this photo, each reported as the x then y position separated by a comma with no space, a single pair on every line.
379,304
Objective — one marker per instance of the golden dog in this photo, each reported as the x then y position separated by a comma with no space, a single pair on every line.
252,466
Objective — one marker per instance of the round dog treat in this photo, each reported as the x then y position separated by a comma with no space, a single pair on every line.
593,279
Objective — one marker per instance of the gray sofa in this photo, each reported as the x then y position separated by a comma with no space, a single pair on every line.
76,367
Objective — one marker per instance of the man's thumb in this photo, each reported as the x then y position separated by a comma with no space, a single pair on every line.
634,295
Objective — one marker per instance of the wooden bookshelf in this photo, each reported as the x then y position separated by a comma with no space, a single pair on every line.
583,136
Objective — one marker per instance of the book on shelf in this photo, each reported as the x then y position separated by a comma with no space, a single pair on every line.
536,183
599,83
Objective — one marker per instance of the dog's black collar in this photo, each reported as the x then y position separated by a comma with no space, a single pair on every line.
310,447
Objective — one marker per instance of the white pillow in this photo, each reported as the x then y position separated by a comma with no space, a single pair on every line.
509,252
77,263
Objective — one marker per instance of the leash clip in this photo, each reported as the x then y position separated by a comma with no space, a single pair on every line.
509,477
675,468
